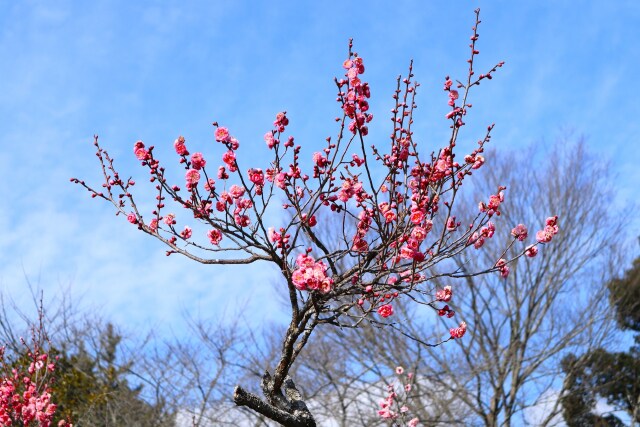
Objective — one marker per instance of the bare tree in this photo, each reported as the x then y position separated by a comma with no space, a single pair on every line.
523,325
196,370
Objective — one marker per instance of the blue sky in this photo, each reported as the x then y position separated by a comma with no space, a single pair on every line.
155,70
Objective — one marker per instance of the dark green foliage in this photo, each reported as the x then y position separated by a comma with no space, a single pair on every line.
93,389
600,374
625,297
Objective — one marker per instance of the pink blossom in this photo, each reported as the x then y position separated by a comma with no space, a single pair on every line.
407,253
504,271
488,230
320,160
311,275
419,233
273,235
304,260
169,219
186,233
417,216
359,245
281,180
197,161
451,223
139,151
385,310
494,202
270,140
132,218
476,239
389,216
520,232
215,236
192,177
399,370
357,160
479,161
459,331
153,224
312,221
531,251
281,121
210,185
428,225
242,220
236,191
550,230
544,236
444,294
387,413
413,422
230,159
180,147
413,243
222,134
503,268
452,113
256,176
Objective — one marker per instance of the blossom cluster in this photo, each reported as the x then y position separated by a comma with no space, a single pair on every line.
395,405
311,275
459,331
355,104
551,229
444,295
25,394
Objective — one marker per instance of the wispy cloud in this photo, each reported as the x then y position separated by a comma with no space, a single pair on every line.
130,71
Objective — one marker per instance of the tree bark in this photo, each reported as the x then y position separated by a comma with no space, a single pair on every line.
288,409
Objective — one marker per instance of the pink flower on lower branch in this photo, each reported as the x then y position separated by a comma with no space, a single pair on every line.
531,251
503,268
459,331
385,310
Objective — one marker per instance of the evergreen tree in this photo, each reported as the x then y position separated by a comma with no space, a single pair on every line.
613,376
